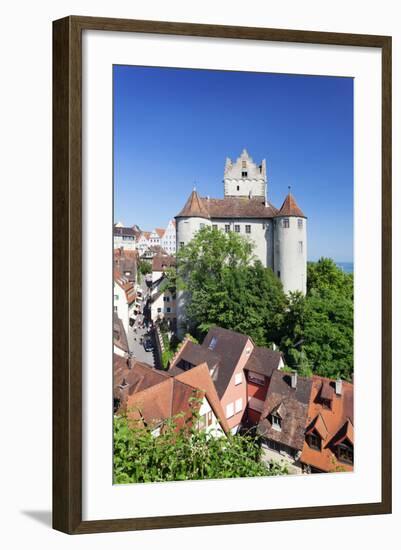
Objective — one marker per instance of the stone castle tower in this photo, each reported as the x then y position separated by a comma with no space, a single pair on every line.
279,236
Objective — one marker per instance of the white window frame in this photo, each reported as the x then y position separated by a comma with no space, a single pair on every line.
229,410
238,405
238,378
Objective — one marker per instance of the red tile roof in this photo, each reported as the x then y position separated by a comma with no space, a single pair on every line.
194,207
160,231
334,425
290,208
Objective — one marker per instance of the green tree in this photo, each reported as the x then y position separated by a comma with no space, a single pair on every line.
318,328
144,267
225,286
183,454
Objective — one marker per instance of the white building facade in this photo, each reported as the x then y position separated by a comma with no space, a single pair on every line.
168,241
279,235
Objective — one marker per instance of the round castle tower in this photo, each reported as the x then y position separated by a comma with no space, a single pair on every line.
290,246
192,217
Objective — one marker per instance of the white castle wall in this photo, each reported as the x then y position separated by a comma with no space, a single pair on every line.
261,235
238,185
289,254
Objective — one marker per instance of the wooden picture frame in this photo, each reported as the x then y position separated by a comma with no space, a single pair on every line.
67,273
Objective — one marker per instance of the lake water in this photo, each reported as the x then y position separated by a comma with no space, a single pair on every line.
348,267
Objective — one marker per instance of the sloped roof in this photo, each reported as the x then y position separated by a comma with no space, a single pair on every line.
290,208
229,346
160,231
229,207
319,425
130,377
197,354
161,402
199,377
293,404
339,420
263,360
221,350
194,207
162,261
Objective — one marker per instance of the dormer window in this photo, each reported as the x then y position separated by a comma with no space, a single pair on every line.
276,422
326,403
314,441
345,453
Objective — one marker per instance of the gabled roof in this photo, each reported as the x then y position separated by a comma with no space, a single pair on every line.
319,426
338,420
160,231
194,207
130,376
228,346
195,354
290,208
293,405
263,361
152,403
221,350
199,377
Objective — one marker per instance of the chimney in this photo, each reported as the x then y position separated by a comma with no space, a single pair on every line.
294,377
339,386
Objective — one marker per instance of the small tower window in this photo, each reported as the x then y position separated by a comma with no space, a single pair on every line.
300,246
300,223
244,164
286,223
244,174
237,187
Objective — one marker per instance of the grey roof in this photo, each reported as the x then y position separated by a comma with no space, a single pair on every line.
292,404
124,231
263,361
228,345
196,354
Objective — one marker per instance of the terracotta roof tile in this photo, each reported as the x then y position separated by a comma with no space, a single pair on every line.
338,421
194,207
290,208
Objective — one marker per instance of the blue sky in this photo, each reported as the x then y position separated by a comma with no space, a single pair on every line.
173,128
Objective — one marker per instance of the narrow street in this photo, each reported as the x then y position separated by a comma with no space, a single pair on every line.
137,332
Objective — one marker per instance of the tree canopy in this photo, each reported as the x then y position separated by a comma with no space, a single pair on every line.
226,287
184,454
318,328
